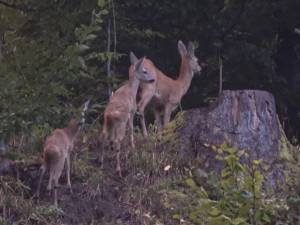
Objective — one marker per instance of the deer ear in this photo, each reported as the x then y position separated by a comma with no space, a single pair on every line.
139,64
133,58
191,49
181,48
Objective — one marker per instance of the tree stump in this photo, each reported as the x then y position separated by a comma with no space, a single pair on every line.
244,119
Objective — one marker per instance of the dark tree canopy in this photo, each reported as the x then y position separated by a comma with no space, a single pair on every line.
54,53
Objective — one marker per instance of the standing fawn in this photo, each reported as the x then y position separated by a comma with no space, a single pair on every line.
122,106
57,149
165,93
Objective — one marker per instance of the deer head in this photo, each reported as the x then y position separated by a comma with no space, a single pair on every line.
142,72
76,124
189,55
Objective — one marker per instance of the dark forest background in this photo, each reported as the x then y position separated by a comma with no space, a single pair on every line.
56,54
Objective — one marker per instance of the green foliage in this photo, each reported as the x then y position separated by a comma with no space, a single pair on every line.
289,211
49,67
236,198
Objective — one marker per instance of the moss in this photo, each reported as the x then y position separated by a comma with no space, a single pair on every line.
285,148
175,124
42,214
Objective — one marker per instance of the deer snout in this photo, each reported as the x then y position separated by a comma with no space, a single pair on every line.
198,69
201,67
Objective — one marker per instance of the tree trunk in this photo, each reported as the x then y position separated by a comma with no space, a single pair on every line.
244,119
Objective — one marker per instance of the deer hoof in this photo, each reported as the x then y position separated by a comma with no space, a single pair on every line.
120,174
36,196
119,171
70,189
49,188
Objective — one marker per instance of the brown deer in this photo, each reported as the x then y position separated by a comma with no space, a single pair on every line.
122,106
164,93
57,149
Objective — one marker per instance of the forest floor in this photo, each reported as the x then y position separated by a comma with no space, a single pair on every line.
158,187
99,195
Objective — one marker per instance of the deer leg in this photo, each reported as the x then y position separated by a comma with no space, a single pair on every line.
57,170
42,173
145,99
104,146
119,137
55,192
104,140
49,186
118,148
167,115
158,120
131,130
143,125
68,172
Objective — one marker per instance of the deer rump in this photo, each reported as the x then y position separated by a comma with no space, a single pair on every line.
117,114
116,122
54,151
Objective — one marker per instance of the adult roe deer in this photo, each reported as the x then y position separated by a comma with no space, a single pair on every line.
165,93
56,152
122,106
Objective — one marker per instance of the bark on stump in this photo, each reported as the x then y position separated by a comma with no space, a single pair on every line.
246,120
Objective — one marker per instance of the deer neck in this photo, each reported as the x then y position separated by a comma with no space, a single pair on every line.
185,75
72,131
134,85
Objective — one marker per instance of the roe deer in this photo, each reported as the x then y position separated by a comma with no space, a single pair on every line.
165,93
57,149
122,106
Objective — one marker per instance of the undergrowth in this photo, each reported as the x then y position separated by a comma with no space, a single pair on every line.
158,187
